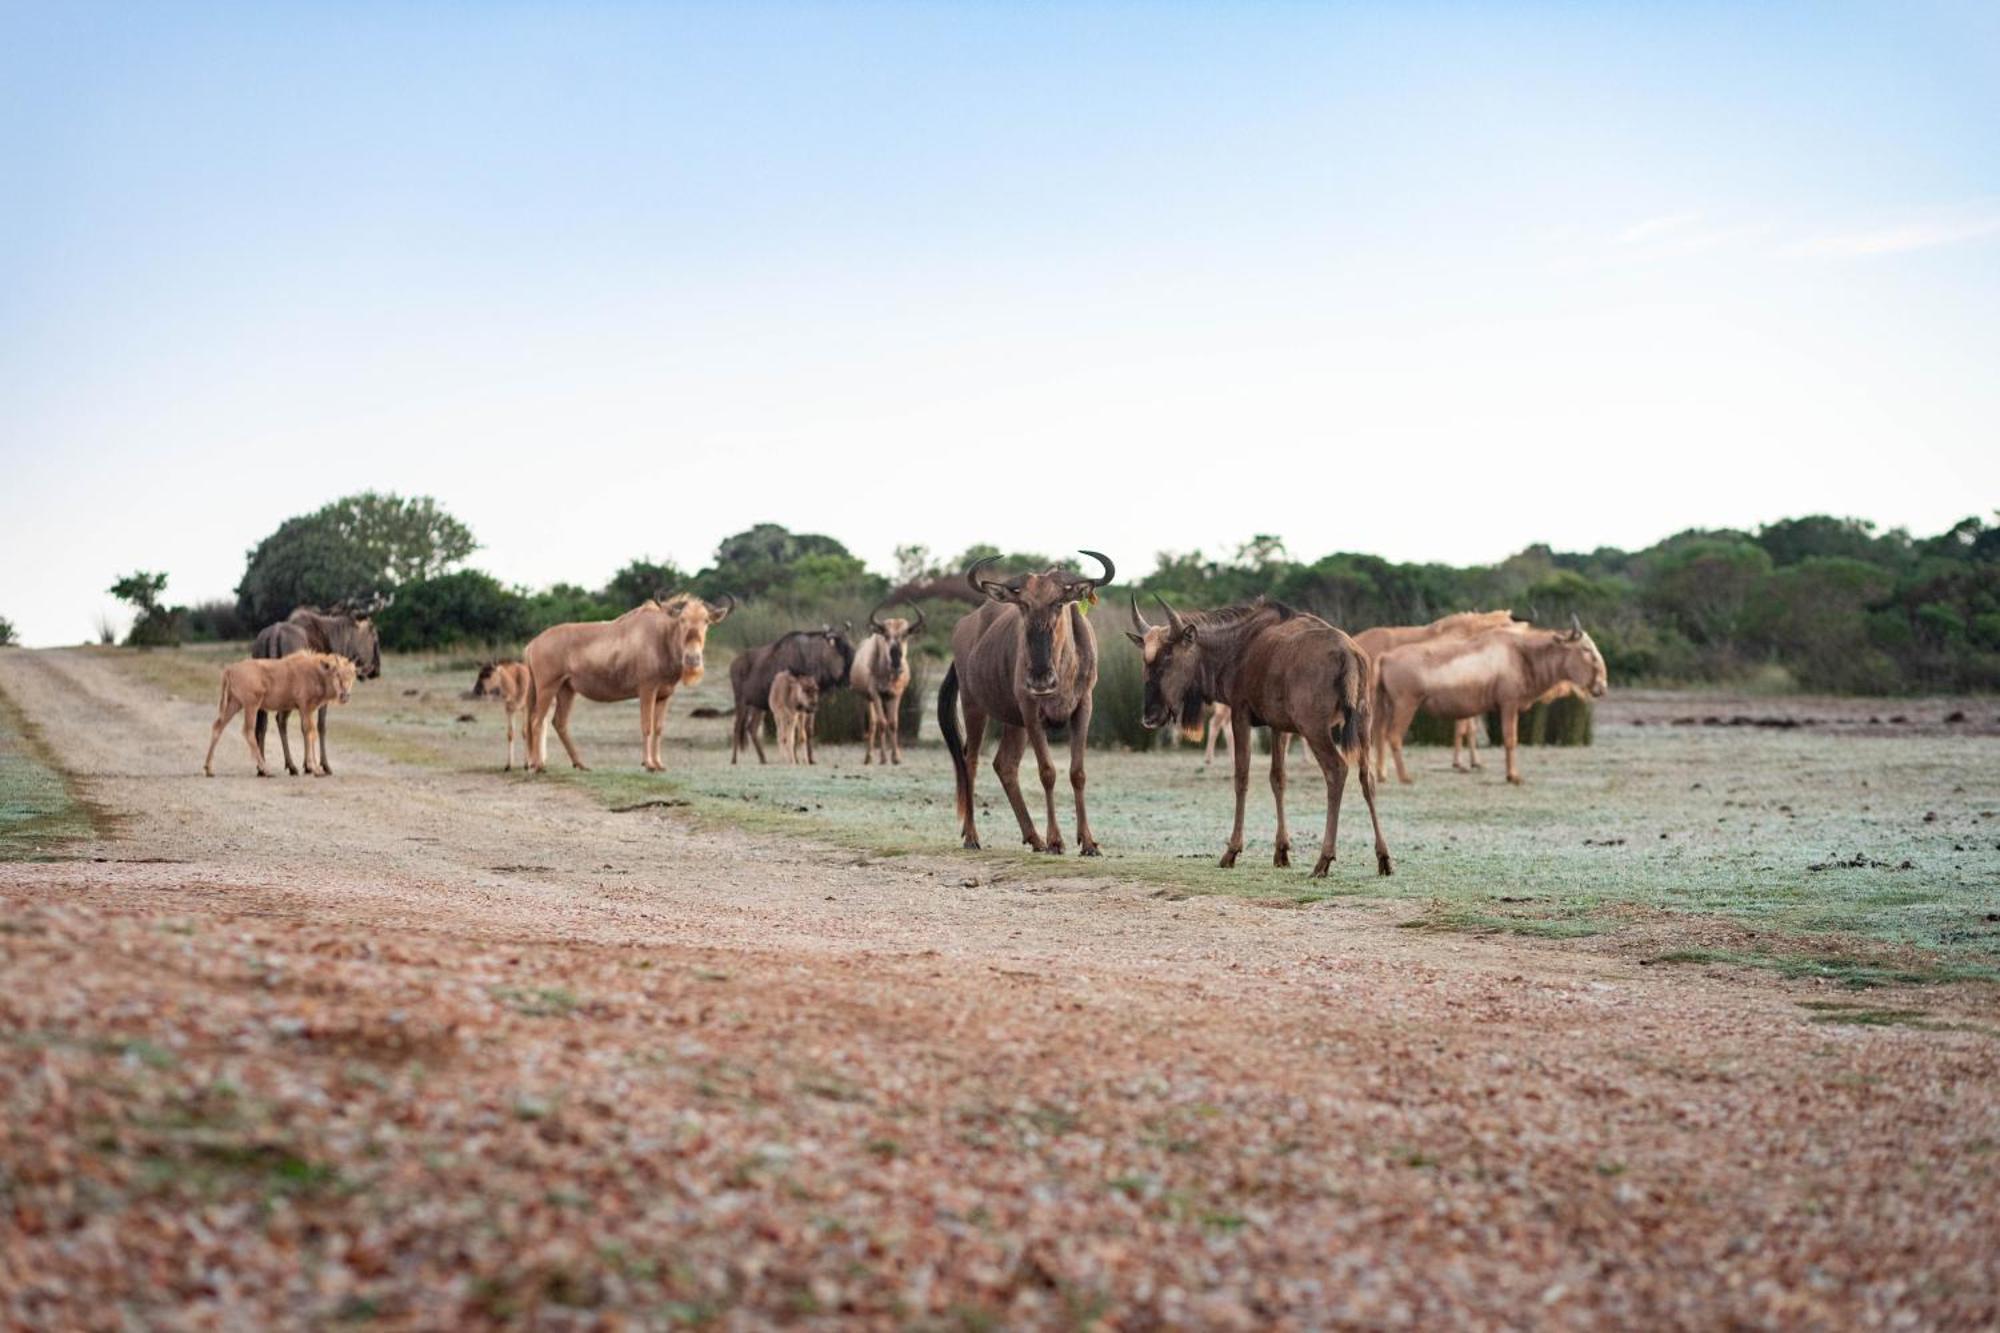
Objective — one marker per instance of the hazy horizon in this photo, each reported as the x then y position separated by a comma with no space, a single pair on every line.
1431,281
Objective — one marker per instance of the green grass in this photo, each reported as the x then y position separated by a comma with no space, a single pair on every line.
41,812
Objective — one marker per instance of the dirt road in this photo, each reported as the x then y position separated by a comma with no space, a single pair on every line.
424,1047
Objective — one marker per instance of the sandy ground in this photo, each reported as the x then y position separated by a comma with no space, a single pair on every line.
425,1047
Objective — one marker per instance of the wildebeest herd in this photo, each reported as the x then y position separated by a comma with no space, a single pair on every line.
1025,658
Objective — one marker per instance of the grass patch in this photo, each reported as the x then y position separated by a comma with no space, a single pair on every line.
1853,973
1452,918
41,810
537,1001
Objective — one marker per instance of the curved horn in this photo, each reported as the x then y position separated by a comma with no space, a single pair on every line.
875,624
1138,621
1110,570
919,626
1173,617
1575,626
982,586
728,605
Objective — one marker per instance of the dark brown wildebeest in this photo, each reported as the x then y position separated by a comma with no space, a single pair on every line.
881,673
1273,667
1027,658
824,654
306,681
340,629
511,683
647,653
1507,669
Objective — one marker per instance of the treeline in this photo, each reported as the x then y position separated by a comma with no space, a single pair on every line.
1817,602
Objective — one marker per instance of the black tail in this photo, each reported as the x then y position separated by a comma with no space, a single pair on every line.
947,717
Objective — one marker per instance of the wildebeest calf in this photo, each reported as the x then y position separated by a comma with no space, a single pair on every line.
303,681
794,702
509,682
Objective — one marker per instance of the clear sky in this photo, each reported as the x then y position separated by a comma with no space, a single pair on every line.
1431,280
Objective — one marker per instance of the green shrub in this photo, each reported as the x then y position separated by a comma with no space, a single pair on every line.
7,639
467,606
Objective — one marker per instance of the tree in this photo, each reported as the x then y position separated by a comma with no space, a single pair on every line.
7,638
642,579
1704,586
154,625
770,560
355,549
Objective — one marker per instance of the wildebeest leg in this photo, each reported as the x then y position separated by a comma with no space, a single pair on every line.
736,734
256,755
647,702
324,770
262,718
755,725
894,717
510,738
871,727
566,700
660,702
975,734
1510,729
1045,767
543,702
1007,767
1404,712
309,732
1239,735
1281,741
1333,764
215,734
1079,737
284,743
809,724
1383,866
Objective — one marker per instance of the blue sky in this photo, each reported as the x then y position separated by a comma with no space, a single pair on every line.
609,280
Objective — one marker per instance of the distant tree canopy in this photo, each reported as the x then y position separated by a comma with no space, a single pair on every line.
358,548
154,625
1831,602
7,637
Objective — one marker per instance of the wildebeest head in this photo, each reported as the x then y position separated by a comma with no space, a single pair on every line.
1043,600
1173,669
338,673
896,632
1582,664
693,618
483,685
350,631
832,653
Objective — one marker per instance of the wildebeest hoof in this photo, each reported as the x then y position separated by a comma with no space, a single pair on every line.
290,771
1383,866
1283,856
1228,858
581,768
263,772
1054,848
1319,868
1088,849
970,844
1514,778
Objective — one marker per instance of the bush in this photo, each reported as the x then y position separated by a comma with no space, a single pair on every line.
7,638
464,607
1121,694
217,622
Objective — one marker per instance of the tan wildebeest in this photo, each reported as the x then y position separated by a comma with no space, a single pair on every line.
304,681
1026,658
341,628
1278,668
646,654
1466,730
1379,640
794,702
1507,669
510,682
880,674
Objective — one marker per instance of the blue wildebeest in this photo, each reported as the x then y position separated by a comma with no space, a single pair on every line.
341,630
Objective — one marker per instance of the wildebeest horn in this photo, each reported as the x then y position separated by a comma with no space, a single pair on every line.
982,586
1173,616
875,624
1110,570
1575,626
1138,621
728,604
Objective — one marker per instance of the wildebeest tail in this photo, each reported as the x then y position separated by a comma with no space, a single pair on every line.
947,715
1354,705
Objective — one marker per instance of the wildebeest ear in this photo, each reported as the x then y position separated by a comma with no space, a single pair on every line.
1139,639
1188,632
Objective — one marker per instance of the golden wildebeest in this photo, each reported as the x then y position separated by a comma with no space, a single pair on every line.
646,654
880,675
1028,658
1274,667
794,702
510,682
1379,640
304,681
1466,730
349,631
1507,669
825,654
